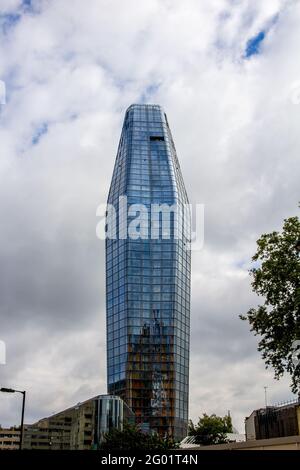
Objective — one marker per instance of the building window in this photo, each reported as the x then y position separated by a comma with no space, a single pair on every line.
157,137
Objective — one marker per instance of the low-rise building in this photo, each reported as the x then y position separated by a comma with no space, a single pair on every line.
273,422
80,427
9,438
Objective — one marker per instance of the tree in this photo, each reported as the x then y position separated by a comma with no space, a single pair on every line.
276,277
133,439
211,429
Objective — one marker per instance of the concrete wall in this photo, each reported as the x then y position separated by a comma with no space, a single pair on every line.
250,427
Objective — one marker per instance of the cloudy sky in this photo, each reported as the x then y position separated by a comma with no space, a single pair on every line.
227,73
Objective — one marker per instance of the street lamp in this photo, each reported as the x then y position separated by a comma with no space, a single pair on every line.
11,390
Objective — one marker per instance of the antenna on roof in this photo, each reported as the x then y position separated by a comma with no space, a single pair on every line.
266,402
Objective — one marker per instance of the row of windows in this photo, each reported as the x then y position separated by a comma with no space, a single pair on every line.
146,166
175,307
138,175
146,317
148,309
156,406
175,388
167,286
141,158
144,361
151,124
142,132
151,282
148,282
149,228
158,187
181,297
146,301
145,254
141,230
176,395
148,297
143,135
149,339
143,261
121,350
121,312
146,263
146,365
155,245
180,342
139,249
179,338
140,303
139,127
181,323
115,321
159,260
139,385
116,374
166,343
165,330
176,304
155,186
140,334
149,348
138,228
146,171
148,246
137,112
145,155
181,282
144,189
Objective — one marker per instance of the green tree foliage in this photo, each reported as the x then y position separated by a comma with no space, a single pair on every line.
131,438
276,277
211,429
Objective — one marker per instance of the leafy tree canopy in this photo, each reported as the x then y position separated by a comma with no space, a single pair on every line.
211,429
132,438
276,277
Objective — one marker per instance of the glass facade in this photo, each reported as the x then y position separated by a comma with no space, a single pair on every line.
110,413
148,280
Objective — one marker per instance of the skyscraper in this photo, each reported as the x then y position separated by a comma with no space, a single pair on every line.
148,277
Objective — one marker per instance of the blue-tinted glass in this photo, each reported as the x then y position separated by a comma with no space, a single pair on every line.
148,282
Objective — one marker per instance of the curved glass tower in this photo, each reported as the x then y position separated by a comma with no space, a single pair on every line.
148,277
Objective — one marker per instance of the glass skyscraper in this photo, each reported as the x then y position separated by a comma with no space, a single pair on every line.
148,278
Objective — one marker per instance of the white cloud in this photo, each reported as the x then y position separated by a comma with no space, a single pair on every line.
75,69
8,6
